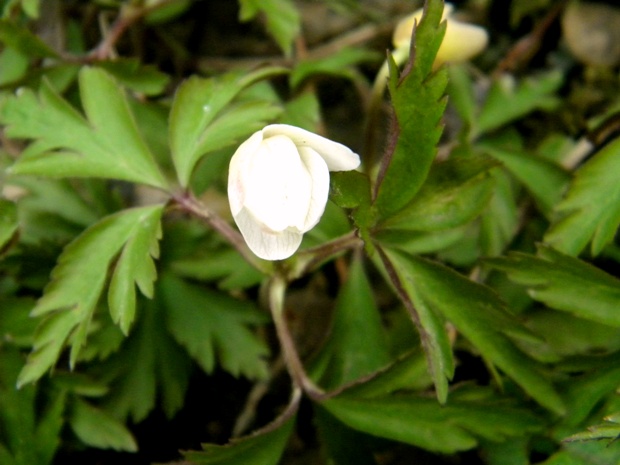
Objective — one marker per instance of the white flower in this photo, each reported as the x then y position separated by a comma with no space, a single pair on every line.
461,41
278,183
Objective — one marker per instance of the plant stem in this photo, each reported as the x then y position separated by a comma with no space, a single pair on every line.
277,290
192,205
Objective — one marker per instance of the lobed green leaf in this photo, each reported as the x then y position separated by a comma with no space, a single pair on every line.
214,327
106,145
200,103
422,422
590,210
565,283
508,101
418,98
77,281
346,356
478,314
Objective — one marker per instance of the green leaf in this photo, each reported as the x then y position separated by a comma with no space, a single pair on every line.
508,101
263,447
424,423
455,192
283,20
346,356
30,421
340,63
590,210
96,428
499,221
24,41
13,66
223,265
213,326
565,283
107,145
149,366
479,315
201,103
461,92
545,180
429,323
70,299
135,266
16,326
145,79
8,221
412,150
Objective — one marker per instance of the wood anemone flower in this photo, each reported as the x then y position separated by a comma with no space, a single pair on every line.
278,184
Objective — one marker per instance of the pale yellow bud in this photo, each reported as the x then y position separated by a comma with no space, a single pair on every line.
461,42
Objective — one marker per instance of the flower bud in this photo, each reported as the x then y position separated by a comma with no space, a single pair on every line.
461,41
278,184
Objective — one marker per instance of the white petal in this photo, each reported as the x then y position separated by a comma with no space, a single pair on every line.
278,185
267,245
320,185
238,171
337,156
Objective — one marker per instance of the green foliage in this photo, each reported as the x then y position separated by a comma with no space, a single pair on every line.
565,283
201,122
28,433
418,127
106,145
508,100
590,210
346,357
212,325
458,297
422,422
70,300
282,18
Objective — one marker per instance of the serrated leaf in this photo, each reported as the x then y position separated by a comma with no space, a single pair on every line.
106,145
429,323
70,299
508,101
422,422
222,265
23,40
455,192
214,327
565,283
263,447
405,167
97,428
282,17
479,315
135,267
150,365
200,103
346,357
545,180
590,210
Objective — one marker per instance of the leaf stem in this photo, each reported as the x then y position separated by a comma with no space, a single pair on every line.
191,204
309,259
